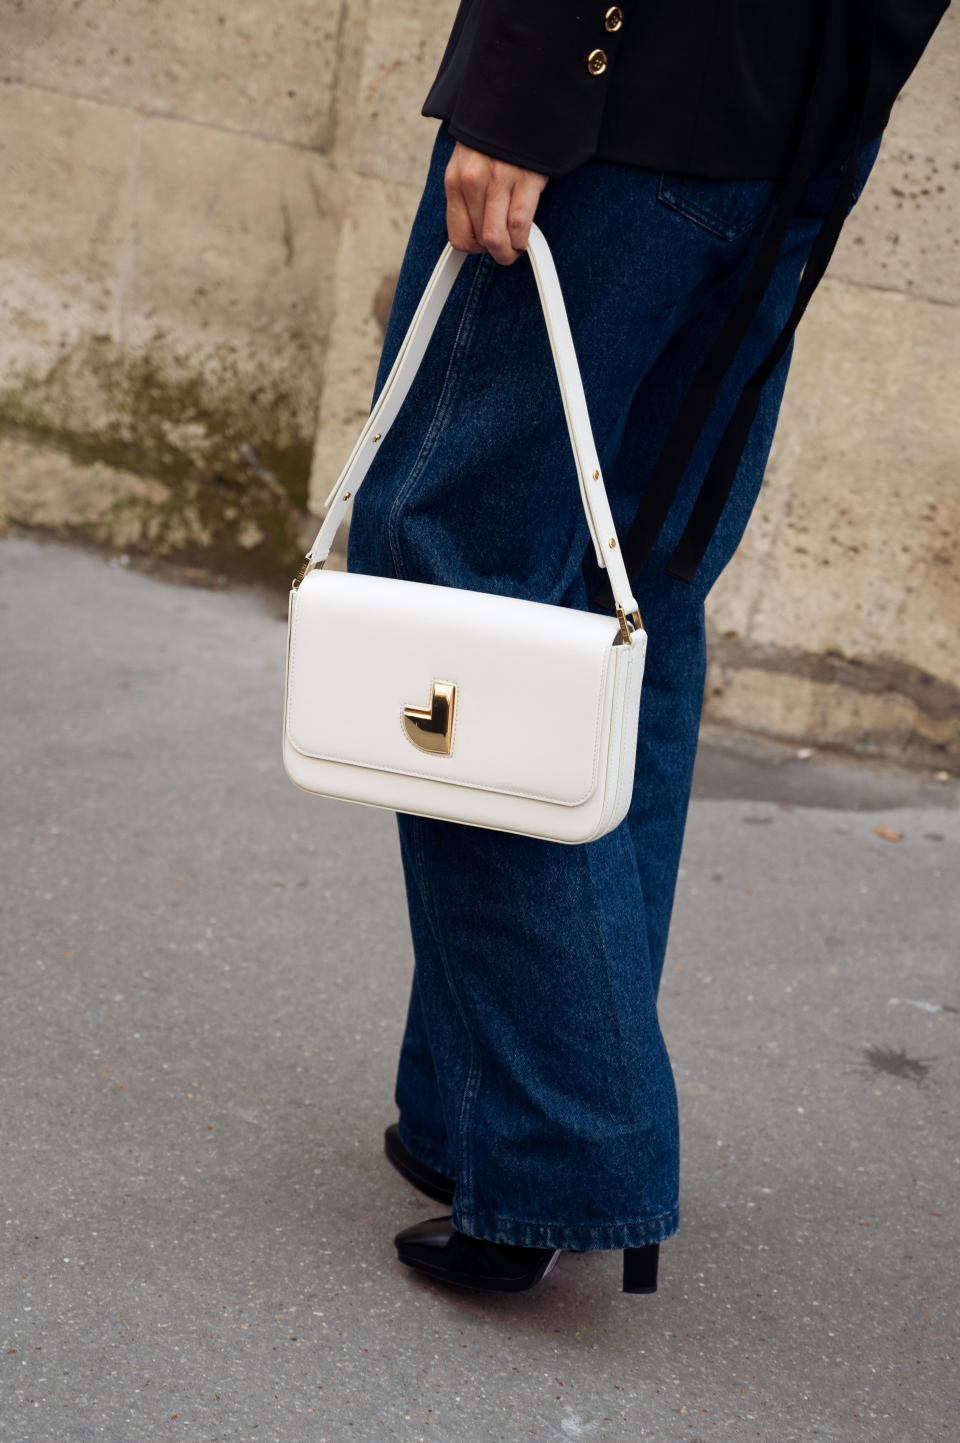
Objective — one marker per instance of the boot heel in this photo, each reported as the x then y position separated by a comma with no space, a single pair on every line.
640,1269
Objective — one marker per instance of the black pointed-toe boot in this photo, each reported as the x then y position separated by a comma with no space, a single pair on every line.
434,1247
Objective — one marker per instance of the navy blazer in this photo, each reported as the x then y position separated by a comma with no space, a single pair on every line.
706,87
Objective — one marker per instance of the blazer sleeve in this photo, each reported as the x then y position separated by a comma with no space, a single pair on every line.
515,82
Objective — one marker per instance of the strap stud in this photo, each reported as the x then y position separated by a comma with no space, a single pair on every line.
596,475
612,543
378,435
346,495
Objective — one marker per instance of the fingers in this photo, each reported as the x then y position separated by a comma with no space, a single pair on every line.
493,234
459,225
490,204
523,207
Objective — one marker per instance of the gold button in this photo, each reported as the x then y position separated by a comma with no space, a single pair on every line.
597,62
613,18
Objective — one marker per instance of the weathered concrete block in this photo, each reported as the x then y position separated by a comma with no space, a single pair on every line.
856,557
903,233
404,45
368,262
265,69
66,178
235,248
196,311
167,292
46,488
865,717
871,535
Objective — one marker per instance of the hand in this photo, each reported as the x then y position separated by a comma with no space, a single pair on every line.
490,204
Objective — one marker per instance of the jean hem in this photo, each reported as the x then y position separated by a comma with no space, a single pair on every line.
424,1150
523,1233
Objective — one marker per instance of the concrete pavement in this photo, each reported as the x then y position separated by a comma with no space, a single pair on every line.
204,976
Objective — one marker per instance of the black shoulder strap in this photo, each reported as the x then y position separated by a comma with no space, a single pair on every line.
681,441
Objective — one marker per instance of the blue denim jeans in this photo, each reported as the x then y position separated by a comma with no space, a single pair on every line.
533,1070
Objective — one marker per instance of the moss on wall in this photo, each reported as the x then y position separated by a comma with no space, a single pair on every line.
231,449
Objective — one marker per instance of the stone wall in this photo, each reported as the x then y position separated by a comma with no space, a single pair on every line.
174,177
204,214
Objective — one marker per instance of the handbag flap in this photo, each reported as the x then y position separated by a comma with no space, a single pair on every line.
525,716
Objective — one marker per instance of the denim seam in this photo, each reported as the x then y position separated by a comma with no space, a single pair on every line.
448,391
614,1012
425,1148
463,1168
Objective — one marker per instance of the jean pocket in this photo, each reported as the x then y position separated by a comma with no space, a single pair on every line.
726,208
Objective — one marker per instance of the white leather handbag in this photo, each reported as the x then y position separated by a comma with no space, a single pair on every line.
463,705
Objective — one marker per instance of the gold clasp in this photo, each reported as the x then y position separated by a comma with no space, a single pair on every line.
431,728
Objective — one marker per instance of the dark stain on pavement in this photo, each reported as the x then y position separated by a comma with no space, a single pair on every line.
896,1063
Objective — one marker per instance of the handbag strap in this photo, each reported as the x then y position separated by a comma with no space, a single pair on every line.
592,490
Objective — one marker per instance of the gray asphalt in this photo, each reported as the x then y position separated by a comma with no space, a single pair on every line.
204,979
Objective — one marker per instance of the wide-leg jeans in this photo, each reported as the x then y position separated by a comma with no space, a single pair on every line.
533,1070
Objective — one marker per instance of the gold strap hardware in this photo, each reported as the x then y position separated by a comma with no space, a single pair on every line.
304,569
625,631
